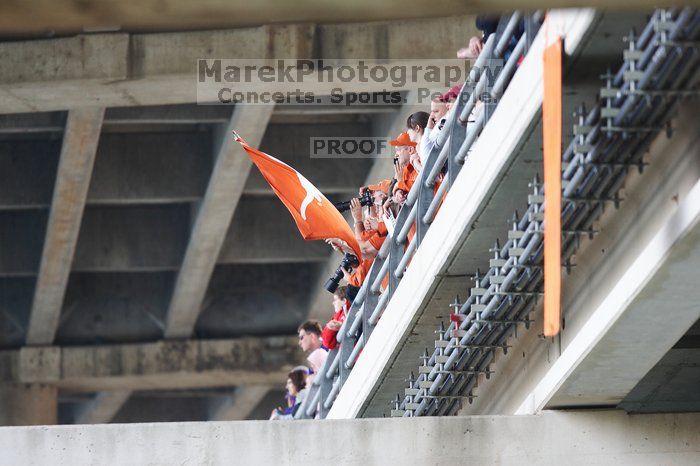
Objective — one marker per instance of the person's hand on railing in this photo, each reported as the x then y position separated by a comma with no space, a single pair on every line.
334,325
471,51
371,223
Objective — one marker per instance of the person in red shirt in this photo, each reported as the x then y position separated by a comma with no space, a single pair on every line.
341,306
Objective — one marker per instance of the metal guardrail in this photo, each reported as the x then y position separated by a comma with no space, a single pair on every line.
660,67
445,161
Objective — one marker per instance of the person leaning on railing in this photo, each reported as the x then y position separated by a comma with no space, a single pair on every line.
404,156
368,224
370,231
311,343
436,122
296,392
406,174
341,306
415,128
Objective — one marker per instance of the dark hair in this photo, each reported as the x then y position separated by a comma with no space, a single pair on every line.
418,118
341,292
310,326
298,378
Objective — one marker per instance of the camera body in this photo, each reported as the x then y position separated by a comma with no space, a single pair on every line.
365,201
349,262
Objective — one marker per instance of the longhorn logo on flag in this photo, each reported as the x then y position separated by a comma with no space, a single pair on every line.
315,216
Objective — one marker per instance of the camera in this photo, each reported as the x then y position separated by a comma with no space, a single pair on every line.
365,201
348,263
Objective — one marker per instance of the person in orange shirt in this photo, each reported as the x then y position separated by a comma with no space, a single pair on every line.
356,276
404,159
370,233
369,228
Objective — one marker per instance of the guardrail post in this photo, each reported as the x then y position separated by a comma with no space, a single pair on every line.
347,346
396,251
326,384
531,28
425,195
371,299
457,134
492,68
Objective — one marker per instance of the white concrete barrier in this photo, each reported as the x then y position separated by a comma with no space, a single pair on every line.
586,437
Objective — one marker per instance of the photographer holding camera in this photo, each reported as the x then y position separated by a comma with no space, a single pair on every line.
370,233
368,226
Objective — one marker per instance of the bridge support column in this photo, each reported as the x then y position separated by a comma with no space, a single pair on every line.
27,404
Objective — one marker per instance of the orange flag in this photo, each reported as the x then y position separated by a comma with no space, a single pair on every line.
315,216
551,129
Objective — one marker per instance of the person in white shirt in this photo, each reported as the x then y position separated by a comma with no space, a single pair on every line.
311,343
436,122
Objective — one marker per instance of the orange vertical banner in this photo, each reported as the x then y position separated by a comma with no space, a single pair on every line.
551,129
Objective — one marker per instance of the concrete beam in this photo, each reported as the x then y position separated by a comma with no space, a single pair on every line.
148,238
27,404
102,408
144,168
587,438
670,386
263,232
153,366
33,18
213,218
120,69
168,168
70,192
238,405
23,123
182,115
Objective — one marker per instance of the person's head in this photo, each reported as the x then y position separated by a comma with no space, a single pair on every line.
400,193
404,147
379,191
296,381
415,125
379,197
339,298
399,197
438,109
310,335
402,154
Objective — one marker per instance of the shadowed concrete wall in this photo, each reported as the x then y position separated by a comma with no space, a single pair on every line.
590,438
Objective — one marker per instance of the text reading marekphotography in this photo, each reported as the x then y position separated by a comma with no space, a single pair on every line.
326,82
